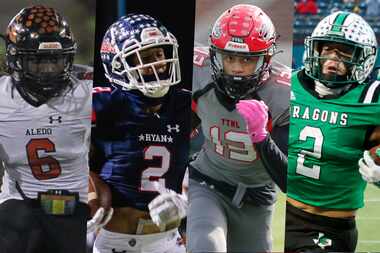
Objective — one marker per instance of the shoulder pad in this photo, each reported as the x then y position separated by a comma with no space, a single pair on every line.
201,54
371,93
83,72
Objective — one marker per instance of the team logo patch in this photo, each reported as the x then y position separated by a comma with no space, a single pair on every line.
322,241
107,47
216,31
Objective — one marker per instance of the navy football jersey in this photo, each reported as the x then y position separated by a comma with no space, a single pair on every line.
139,148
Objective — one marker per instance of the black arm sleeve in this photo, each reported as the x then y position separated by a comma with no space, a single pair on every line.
273,151
96,158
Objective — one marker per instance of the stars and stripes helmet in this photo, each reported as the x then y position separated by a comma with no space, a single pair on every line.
352,31
243,30
121,54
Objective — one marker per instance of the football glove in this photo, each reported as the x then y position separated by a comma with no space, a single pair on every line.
368,169
99,220
255,114
167,207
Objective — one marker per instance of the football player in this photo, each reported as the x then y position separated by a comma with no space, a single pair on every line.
334,118
231,193
140,137
45,123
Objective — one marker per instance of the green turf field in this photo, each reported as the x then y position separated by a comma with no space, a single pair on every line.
368,221
278,227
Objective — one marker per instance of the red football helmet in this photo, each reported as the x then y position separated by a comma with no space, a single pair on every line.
243,30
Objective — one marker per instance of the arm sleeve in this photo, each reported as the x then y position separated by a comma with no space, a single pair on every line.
273,152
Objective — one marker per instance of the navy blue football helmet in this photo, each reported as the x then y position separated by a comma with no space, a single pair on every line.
139,53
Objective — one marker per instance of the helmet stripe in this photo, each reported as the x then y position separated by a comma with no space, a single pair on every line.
338,22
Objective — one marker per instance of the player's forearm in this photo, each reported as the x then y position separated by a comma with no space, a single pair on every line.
273,154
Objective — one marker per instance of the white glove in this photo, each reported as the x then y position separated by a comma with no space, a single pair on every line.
368,169
99,220
167,207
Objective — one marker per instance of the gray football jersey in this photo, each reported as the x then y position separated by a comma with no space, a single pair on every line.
228,153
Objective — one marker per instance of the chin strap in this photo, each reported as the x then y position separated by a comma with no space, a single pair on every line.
225,100
324,91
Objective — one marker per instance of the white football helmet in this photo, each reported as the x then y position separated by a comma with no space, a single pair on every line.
351,30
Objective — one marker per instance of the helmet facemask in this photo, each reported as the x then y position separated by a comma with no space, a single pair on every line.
150,74
239,86
355,46
146,61
353,58
43,75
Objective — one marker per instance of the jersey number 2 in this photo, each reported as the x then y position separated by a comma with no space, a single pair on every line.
154,174
317,135
46,167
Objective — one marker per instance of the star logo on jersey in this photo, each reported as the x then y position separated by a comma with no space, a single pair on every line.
55,119
173,128
322,241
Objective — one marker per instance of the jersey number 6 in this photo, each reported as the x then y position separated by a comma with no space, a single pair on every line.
46,167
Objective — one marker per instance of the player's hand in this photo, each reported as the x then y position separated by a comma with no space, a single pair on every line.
368,169
167,207
99,220
255,114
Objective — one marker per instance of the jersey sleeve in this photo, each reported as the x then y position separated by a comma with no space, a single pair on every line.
101,102
276,94
201,69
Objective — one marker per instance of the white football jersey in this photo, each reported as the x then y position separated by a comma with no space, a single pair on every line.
45,147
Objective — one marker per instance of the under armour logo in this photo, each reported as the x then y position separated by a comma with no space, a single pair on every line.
114,251
52,119
170,128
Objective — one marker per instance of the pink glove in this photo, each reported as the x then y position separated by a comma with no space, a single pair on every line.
255,114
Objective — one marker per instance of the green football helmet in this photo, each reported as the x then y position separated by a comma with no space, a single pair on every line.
353,32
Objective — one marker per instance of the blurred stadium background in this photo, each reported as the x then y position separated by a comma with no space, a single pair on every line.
80,14
304,23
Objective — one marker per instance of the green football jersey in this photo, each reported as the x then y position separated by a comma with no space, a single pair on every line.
326,140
